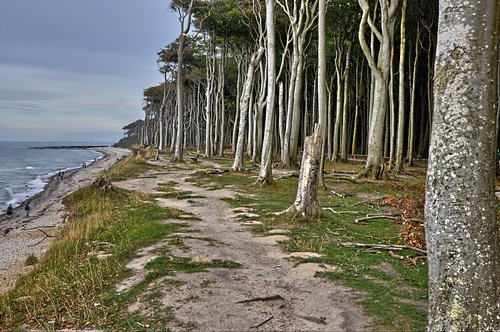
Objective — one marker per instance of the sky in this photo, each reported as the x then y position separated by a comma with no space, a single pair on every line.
75,70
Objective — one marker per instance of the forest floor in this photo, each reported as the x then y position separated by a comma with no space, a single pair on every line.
195,246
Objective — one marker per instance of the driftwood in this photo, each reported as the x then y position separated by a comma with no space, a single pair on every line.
46,236
260,324
396,247
267,298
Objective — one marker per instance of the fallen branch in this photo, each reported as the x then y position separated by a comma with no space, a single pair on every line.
38,227
339,194
411,259
316,320
267,298
396,247
288,175
377,216
258,325
341,212
393,255
46,236
341,177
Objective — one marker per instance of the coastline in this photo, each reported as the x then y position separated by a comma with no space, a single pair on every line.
20,236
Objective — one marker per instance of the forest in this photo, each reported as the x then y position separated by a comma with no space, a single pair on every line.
296,83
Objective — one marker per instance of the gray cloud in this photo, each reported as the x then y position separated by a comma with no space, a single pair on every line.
78,65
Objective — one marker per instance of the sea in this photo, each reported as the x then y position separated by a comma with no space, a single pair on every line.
25,171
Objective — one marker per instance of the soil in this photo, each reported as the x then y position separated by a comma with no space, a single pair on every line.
211,301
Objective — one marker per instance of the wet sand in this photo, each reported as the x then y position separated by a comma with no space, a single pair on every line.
21,236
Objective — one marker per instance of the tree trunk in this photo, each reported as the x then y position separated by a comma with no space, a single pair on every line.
411,124
338,110
401,97
345,108
380,70
306,202
321,83
185,27
461,226
266,175
208,96
245,105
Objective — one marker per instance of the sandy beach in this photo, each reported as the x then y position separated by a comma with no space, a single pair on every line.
21,236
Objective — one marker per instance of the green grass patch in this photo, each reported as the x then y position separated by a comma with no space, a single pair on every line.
131,165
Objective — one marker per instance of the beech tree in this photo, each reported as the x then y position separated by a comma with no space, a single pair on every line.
185,23
380,69
265,175
461,226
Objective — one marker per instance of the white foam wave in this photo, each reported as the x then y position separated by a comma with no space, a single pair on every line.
29,167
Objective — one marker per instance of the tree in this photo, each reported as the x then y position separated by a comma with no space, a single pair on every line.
185,21
461,226
265,175
380,69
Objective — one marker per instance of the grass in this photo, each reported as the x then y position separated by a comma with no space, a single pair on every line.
72,286
131,165
393,301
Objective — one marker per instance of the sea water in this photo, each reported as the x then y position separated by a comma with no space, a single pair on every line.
24,171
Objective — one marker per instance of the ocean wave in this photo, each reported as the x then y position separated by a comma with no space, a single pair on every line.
29,167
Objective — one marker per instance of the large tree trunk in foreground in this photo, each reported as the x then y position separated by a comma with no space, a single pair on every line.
306,202
461,226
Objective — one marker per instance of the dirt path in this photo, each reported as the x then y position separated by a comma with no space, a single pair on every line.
209,300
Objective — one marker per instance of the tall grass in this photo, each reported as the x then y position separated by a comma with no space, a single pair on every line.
72,285
133,164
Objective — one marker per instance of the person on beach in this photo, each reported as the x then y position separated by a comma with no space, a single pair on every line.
10,210
27,209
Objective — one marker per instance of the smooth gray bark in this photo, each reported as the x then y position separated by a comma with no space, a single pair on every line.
185,20
266,175
245,105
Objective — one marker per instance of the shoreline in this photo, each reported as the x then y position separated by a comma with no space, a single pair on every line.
19,236
68,172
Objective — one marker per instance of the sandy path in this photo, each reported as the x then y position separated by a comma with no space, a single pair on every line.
209,299
17,241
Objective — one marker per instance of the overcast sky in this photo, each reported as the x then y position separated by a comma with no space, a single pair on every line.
76,69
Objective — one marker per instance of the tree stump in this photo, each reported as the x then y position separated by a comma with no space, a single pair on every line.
103,184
